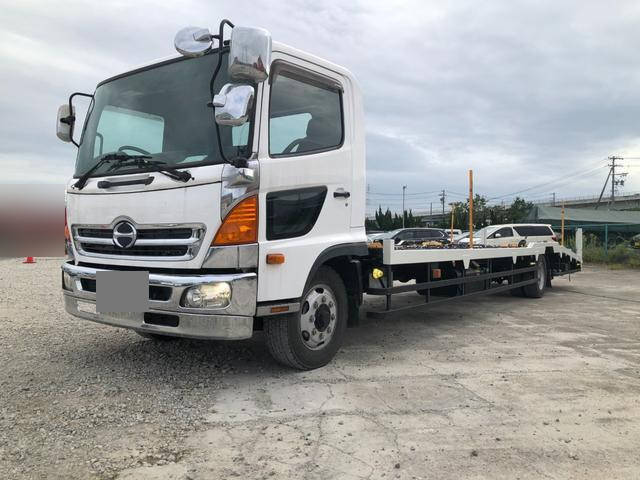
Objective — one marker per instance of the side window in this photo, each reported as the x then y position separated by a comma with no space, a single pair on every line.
542,231
526,231
293,213
503,232
304,115
404,235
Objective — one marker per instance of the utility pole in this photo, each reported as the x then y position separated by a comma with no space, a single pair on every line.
613,179
602,191
442,200
470,208
404,187
554,200
614,182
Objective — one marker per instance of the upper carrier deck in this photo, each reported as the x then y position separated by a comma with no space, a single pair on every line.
392,255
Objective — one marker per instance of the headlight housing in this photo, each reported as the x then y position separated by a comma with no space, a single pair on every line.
67,281
210,295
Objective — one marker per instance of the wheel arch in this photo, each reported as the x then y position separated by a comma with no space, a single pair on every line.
550,259
344,259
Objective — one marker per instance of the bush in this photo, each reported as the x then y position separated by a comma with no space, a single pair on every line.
620,255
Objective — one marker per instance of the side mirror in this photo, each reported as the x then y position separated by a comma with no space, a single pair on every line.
233,104
497,235
250,54
193,41
64,123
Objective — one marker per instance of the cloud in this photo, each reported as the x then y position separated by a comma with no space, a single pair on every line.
524,93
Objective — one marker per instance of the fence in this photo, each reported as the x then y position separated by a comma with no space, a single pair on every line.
612,243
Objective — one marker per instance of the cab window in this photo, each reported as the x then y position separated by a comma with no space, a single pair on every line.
305,115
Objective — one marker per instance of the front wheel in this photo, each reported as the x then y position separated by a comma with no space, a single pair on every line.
310,337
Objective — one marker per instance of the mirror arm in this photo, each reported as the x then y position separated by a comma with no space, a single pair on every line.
237,162
71,119
220,38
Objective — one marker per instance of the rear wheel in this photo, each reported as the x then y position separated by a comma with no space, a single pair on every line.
536,290
310,338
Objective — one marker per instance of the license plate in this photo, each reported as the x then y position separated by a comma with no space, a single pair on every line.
87,307
122,292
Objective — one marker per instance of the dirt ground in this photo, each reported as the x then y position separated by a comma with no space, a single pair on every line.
494,387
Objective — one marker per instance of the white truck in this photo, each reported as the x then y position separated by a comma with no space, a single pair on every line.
245,209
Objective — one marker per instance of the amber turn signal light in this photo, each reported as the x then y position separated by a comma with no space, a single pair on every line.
67,235
275,258
240,225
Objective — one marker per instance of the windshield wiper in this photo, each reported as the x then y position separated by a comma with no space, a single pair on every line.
121,159
171,172
107,158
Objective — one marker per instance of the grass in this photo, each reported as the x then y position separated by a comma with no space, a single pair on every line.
617,257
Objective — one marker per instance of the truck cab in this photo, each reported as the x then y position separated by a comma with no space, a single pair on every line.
245,208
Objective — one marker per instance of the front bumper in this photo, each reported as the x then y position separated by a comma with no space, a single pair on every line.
166,316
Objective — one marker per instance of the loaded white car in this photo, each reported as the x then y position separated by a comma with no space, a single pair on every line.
514,234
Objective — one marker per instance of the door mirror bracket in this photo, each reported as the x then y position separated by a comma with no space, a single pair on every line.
67,119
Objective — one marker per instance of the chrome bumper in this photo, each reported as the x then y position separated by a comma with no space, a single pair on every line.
233,322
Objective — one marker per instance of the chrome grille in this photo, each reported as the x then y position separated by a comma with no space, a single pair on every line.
153,242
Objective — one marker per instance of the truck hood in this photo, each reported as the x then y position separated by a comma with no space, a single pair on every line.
161,214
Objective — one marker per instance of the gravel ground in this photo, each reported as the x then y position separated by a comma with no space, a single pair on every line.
497,387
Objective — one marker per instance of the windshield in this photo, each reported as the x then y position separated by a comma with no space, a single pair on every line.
162,112
484,232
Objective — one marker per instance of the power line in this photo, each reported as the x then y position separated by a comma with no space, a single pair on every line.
572,174
456,193
559,181
400,194
557,184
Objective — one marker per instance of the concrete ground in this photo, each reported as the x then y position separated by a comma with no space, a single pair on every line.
493,387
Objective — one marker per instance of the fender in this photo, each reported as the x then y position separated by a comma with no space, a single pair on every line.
355,249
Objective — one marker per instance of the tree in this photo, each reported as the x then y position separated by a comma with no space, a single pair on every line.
518,211
483,215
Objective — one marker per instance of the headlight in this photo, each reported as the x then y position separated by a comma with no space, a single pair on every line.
212,295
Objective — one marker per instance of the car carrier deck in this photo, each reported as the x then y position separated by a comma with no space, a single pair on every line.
449,272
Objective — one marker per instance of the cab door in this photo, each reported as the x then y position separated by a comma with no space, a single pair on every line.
305,172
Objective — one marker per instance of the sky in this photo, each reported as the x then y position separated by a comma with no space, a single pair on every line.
531,95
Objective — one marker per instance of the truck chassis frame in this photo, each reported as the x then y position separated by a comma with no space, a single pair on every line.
491,263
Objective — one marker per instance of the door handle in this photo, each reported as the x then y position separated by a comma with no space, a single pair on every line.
341,193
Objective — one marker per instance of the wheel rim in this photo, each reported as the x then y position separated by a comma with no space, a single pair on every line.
318,316
541,276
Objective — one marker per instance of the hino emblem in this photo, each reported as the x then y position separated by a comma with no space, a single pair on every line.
124,235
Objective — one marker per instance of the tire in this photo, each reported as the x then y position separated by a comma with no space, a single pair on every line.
156,338
536,290
517,292
324,309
